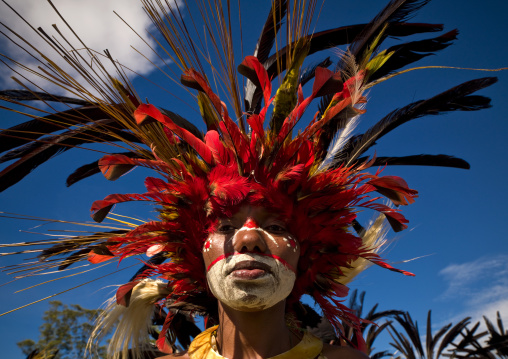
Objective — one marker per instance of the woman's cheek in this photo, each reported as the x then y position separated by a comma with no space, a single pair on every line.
290,242
207,247
290,249
213,248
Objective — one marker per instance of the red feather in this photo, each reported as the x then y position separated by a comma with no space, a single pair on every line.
114,166
394,188
101,208
326,82
100,254
374,258
123,294
228,128
251,66
144,112
161,342
220,153
228,188
195,80
323,75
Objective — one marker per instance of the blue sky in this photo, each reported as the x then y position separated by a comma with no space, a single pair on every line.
456,225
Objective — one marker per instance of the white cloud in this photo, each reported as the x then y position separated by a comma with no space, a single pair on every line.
94,22
481,286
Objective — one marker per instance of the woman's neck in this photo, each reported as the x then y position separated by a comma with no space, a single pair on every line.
253,335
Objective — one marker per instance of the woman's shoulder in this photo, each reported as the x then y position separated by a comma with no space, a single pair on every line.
336,352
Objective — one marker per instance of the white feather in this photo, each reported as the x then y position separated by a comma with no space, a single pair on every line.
374,239
350,69
338,142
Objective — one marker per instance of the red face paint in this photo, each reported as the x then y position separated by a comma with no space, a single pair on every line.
250,223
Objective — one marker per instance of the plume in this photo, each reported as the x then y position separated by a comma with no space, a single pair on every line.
454,99
396,11
407,53
264,46
132,323
419,160
24,95
374,239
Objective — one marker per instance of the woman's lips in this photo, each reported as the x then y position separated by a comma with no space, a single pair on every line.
248,273
250,270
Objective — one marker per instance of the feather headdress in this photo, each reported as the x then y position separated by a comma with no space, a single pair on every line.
313,173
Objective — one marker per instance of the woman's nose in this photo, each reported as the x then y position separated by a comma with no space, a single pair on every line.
249,240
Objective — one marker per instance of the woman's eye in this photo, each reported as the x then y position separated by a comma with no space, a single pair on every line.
225,228
275,228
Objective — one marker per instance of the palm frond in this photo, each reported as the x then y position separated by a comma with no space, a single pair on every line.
451,334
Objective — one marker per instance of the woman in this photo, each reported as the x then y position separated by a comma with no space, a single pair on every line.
250,217
251,261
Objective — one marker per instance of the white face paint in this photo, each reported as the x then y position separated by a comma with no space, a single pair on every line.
249,281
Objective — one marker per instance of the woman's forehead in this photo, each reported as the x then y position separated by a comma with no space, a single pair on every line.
254,212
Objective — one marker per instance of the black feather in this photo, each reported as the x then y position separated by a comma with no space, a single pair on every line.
90,169
67,140
396,11
309,72
30,130
264,45
157,259
344,35
405,54
23,95
184,328
420,160
454,99
34,154
75,257
359,229
394,30
183,123
402,10
270,29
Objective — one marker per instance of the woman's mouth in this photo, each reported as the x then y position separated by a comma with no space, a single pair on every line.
250,270
248,273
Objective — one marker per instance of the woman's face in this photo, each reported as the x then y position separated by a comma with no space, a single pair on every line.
251,260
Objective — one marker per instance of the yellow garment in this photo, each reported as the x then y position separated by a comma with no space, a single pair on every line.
309,348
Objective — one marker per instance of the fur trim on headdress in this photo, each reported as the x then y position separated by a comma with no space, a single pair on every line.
132,324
